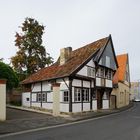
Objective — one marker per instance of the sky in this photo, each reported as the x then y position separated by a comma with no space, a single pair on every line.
75,23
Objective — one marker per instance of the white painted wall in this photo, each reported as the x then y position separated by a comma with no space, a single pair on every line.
98,81
91,63
94,105
46,86
36,87
109,83
47,105
83,71
26,95
64,107
34,97
86,84
76,107
105,104
49,96
77,83
37,104
86,106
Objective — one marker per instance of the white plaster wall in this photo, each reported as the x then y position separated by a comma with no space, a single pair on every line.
36,104
47,105
91,63
36,87
76,83
86,106
94,105
86,84
105,104
46,86
76,107
64,107
83,71
109,83
98,81
49,96
34,97
26,95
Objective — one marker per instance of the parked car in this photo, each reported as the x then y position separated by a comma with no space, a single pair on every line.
136,100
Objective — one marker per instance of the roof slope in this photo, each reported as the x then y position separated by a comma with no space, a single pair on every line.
120,73
78,57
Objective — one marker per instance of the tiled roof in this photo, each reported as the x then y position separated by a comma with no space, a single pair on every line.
78,57
120,73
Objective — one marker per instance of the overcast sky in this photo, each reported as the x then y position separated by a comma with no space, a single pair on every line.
75,23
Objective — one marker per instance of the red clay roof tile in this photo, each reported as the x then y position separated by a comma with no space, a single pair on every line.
120,73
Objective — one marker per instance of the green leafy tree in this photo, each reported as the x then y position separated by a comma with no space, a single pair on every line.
6,72
31,55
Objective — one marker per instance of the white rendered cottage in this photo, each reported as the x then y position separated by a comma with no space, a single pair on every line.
80,80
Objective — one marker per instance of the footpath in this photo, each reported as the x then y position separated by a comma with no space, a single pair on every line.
21,119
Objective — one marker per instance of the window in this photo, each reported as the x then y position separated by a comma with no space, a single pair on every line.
86,95
38,97
77,94
107,61
41,97
65,96
109,74
90,71
27,99
100,72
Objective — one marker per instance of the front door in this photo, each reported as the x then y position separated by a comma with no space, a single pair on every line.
99,99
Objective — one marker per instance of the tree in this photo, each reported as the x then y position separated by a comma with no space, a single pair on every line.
6,72
31,55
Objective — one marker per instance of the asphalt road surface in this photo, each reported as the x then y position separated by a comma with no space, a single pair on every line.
122,126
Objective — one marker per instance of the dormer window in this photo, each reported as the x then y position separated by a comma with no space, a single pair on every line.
101,72
90,71
109,74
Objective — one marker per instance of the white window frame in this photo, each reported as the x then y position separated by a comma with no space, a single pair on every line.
86,95
38,97
77,94
42,97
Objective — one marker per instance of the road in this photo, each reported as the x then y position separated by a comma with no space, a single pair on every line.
122,126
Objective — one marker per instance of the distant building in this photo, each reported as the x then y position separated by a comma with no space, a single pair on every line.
121,82
135,90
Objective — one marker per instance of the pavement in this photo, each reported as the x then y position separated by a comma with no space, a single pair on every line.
21,119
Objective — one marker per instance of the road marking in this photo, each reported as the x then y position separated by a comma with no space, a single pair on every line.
61,125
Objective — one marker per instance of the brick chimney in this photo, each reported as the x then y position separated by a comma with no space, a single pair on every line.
65,54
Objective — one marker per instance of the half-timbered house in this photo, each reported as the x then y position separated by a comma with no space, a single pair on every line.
80,80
